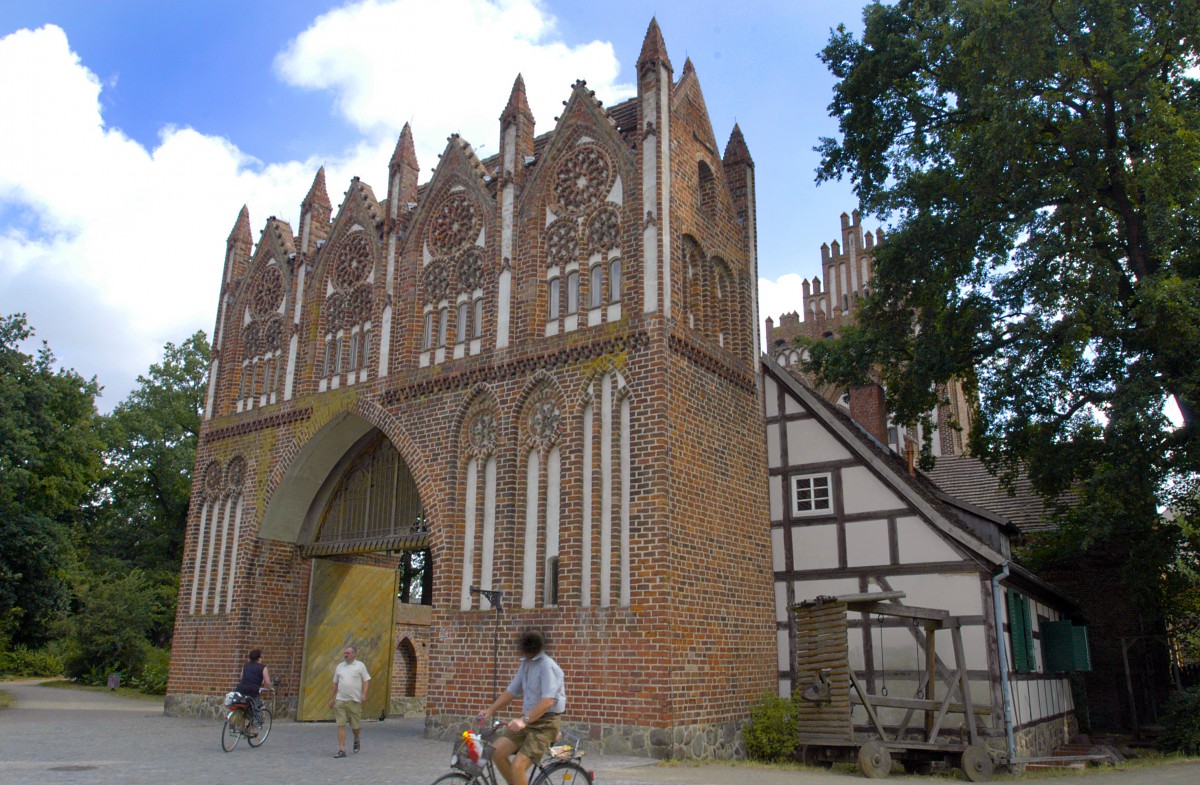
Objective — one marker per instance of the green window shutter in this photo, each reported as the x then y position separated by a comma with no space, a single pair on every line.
1019,630
1058,646
1083,652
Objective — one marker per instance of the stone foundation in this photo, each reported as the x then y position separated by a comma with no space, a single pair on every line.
697,742
1034,741
212,707
406,707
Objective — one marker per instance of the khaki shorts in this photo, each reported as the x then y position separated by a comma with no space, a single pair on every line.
348,712
534,739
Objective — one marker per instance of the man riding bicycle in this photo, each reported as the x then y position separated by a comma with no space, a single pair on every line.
539,683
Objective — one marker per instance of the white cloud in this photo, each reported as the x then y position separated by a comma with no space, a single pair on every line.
114,248
775,298
448,67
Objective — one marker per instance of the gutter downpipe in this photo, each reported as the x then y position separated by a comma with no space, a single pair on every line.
1005,689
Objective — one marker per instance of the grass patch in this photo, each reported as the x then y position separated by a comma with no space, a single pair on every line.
6,699
124,692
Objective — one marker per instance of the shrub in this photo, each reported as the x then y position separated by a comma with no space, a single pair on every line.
24,662
772,733
151,678
1182,723
110,628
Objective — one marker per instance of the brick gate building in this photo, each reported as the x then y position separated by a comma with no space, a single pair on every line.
541,367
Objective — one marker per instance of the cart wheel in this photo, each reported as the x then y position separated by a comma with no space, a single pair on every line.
874,760
977,763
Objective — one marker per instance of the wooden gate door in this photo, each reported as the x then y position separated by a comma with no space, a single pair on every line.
348,605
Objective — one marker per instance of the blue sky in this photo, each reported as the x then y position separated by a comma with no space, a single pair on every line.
133,131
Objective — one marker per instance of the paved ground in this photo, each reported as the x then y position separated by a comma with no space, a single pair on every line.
72,737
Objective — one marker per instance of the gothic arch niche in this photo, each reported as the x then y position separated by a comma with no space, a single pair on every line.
478,467
406,671
346,325
262,331
540,431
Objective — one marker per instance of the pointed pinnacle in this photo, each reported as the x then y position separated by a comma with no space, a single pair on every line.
317,194
518,103
654,49
736,150
406,151
241,227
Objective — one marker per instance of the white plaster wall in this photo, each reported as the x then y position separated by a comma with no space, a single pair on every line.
959,593
778,562
770,396
919,543
867,543
773,452
863,492
815,547
775,490
791,405
781,607
810,438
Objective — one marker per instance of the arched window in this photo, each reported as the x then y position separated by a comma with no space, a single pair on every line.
573,292
614,281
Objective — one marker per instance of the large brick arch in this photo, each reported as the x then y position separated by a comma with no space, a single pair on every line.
299,475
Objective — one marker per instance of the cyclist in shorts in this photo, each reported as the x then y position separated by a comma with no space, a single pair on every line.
539,684
255,677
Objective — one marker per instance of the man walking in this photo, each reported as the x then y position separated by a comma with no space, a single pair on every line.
539,682
350,683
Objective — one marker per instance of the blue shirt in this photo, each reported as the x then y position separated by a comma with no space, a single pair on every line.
538,678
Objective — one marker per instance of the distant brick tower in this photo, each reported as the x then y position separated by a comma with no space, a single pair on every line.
540,370
832,301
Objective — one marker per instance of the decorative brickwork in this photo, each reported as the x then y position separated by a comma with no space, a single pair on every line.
595,466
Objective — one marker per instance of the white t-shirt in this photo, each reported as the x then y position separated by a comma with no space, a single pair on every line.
349,678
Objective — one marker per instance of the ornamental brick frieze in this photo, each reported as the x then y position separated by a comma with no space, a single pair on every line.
258,424
515,369
712,363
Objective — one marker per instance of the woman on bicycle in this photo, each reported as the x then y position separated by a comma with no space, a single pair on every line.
539,682
255,677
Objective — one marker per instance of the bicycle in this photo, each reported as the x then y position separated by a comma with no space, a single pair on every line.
561,765
239,723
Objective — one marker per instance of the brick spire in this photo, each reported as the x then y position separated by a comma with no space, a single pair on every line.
654,49
736,151
403,172
688,68
239,246
518,104
315,213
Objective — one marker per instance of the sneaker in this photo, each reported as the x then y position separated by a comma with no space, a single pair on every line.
340,754
356,745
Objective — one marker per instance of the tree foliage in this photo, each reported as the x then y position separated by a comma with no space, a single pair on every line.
1039,164
49,461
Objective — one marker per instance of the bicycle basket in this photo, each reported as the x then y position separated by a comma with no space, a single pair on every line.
463,761
234,697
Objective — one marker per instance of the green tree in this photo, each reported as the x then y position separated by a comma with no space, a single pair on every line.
150,448
1038,162
49,461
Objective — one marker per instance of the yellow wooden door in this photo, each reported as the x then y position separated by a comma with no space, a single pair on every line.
348,605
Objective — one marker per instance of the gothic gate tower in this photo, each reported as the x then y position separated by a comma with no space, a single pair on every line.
541,367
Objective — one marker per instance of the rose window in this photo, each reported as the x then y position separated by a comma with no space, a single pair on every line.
562,242
470,272
437,281
481,436
252,340
604,230
335,311
268,292
583,179
353,261
237,472
273,335
456,223
212,478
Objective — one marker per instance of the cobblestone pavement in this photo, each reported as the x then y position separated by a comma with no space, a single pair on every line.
73,737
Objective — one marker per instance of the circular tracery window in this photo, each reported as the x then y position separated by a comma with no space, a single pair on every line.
353,262
456,223
268,292
584,178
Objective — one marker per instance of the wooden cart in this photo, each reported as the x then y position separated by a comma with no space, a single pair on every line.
828,689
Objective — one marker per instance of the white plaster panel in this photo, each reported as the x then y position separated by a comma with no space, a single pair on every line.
781,639
958,593
867,543
773,454
919,543
825,587
781,606
808,441
975,641
770,396
863,492
791,405
777,554
776,494
815,547
785,688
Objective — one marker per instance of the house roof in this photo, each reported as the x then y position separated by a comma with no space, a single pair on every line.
967,478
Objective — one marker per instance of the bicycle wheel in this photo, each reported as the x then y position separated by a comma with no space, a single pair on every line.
263,730
230,736
566,772
454,778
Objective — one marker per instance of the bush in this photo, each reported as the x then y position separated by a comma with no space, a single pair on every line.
1182,723
151,678
110,628
24,662
772,733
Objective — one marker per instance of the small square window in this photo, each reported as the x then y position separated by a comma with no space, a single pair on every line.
812,494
